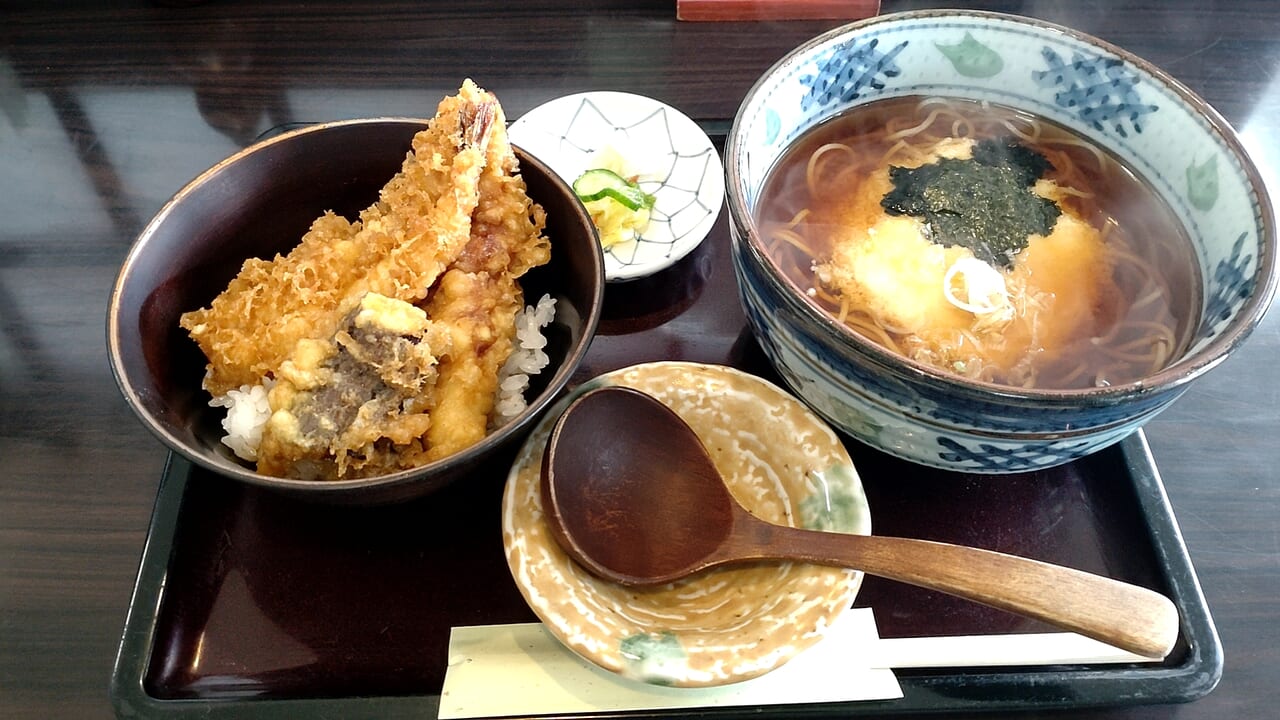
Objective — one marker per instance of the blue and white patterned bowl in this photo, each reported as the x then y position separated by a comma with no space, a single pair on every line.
1180,145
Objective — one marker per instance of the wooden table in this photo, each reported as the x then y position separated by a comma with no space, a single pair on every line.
104,113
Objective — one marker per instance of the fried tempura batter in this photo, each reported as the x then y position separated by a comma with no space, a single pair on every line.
478,298
401,244
356,403
365,382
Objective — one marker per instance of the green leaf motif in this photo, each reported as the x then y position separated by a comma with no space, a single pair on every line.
651,655
1202,184
973,59
855,420
772,125
833,508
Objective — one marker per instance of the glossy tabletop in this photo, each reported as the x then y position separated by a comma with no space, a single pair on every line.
106,109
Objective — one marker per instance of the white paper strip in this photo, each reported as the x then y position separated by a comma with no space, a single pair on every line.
497,670
997,650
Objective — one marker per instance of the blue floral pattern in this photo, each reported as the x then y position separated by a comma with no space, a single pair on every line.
913,420
847,72
1101,91
1229,287
988,457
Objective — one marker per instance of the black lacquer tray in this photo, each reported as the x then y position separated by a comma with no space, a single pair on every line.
253,605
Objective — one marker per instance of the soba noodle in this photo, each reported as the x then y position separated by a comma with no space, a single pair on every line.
1140,306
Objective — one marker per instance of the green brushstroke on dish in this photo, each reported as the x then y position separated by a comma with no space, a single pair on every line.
653,657
833,507
1202,184
772,126
857,421
971,58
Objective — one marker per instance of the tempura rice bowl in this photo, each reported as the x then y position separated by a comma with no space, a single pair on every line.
258,202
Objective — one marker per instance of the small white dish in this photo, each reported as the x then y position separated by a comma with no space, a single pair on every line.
675,159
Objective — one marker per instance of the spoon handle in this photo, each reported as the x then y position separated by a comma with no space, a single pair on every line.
1120,614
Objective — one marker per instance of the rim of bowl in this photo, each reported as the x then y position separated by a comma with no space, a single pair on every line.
1180,372
337,487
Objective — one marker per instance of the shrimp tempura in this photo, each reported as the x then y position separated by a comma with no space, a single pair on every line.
478,299
398,248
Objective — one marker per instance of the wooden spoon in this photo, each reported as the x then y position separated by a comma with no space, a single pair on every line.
630,493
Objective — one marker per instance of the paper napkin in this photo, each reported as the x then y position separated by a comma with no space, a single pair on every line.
497,670
524,670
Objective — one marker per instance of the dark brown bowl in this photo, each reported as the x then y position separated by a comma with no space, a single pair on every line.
259,202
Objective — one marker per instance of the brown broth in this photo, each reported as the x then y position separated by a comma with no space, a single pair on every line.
1120,346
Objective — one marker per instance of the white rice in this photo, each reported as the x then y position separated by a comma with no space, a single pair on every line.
247,413
248,410
527,358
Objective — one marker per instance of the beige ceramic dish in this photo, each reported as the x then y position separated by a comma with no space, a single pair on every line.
726,625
